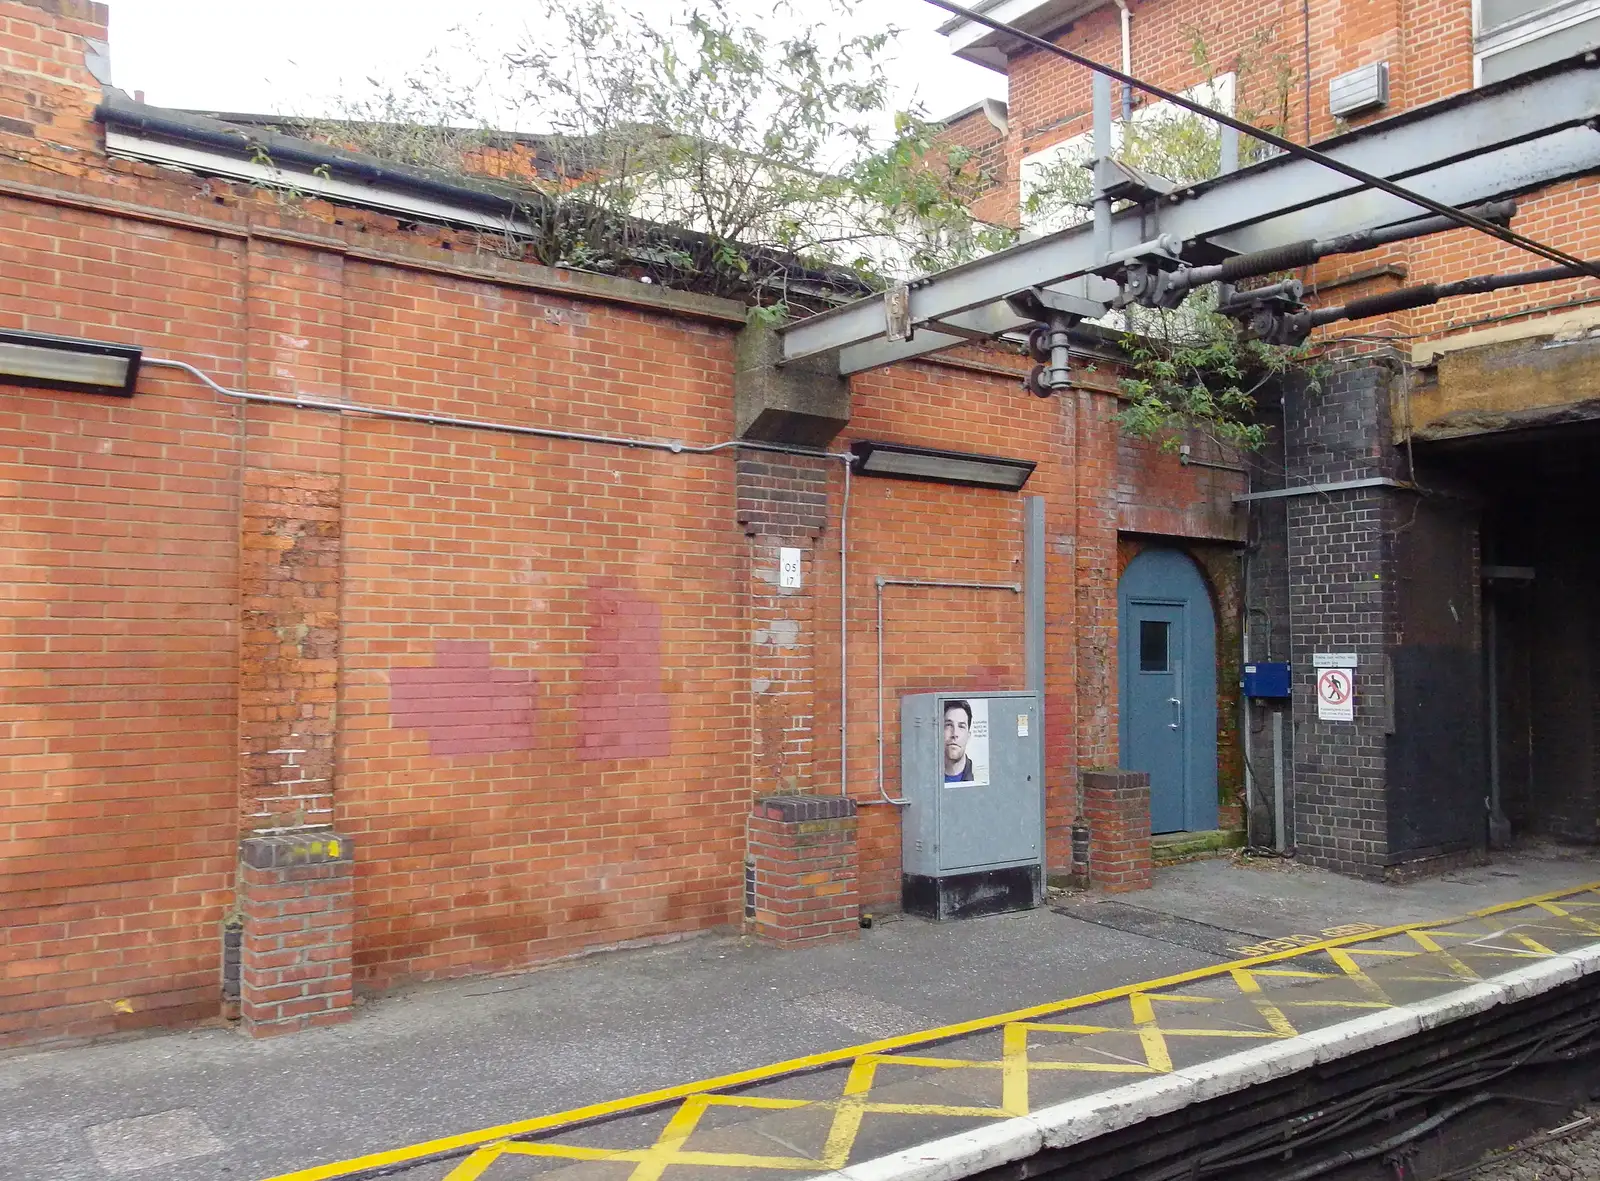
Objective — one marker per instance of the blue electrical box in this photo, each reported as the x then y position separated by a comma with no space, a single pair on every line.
1267,679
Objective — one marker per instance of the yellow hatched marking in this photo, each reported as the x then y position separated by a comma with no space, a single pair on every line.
472,1168
1014,1072
1382,951
485,1144
1251,987
1531,944
1564,913
735,1160
670,1142
1095,1067
1245,1033
1155,1045
725,1159
847,1115
1484,947
1365,983
1427,942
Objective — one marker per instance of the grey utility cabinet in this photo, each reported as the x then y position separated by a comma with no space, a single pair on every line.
973,829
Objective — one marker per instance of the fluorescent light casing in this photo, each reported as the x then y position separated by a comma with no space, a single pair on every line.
64,363
897,461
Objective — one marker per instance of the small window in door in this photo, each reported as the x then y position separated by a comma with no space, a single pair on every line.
1153,635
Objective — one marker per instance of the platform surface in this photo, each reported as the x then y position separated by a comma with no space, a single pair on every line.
716,1058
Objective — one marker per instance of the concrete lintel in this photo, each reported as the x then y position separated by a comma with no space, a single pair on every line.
803,403
1467,424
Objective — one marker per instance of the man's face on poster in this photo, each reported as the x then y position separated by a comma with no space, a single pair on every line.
957,730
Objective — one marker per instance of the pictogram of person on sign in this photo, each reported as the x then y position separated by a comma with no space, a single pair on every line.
1336,691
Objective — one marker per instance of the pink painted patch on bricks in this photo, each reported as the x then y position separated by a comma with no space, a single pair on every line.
464,703
622,710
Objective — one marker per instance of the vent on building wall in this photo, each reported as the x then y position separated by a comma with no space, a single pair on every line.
1360,90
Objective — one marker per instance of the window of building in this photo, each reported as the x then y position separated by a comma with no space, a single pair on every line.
1047,176
1514,36
1153,635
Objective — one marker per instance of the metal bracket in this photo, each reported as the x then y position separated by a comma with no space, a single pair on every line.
1049,344
1120,181
1036,303
897,312
1272,313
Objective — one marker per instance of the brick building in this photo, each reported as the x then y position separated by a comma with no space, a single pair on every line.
444,633
1451,531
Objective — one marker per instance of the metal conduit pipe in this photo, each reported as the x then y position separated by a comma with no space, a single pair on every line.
844,656
1013,587
1127,57
671,446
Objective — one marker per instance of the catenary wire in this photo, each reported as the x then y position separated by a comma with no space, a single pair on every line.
1466,220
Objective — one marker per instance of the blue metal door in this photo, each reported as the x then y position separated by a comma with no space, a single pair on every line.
1168,698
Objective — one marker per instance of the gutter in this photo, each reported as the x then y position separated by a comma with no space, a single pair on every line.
256,155
118,111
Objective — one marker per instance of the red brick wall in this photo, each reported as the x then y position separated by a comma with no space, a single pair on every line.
803,868
47,93
987,143
520,671
296,904
601,589
118,660
1116,806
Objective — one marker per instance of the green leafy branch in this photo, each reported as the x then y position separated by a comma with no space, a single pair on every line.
1191,372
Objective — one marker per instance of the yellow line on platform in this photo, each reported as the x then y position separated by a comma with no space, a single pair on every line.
335,1170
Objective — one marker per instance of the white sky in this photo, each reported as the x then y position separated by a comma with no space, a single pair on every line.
260,57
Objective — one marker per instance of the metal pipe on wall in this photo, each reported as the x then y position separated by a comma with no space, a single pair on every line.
844,635
1244,701
1127,58
1280,837
1013,587
1033,634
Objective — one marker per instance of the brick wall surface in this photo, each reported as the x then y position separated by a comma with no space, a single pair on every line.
987,144
1116,807
802,867
48,88
296,902
1341,575
520,673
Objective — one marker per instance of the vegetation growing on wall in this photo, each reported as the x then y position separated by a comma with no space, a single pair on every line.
695,150
699,151
1189,371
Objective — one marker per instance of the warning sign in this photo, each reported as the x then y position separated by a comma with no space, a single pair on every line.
1336,695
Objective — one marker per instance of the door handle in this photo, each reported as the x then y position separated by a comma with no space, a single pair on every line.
1177,708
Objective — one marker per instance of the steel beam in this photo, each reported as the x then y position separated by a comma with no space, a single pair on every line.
995,319
1515,136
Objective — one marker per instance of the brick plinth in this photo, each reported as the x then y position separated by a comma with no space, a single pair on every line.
297,903
1116,805
801,870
